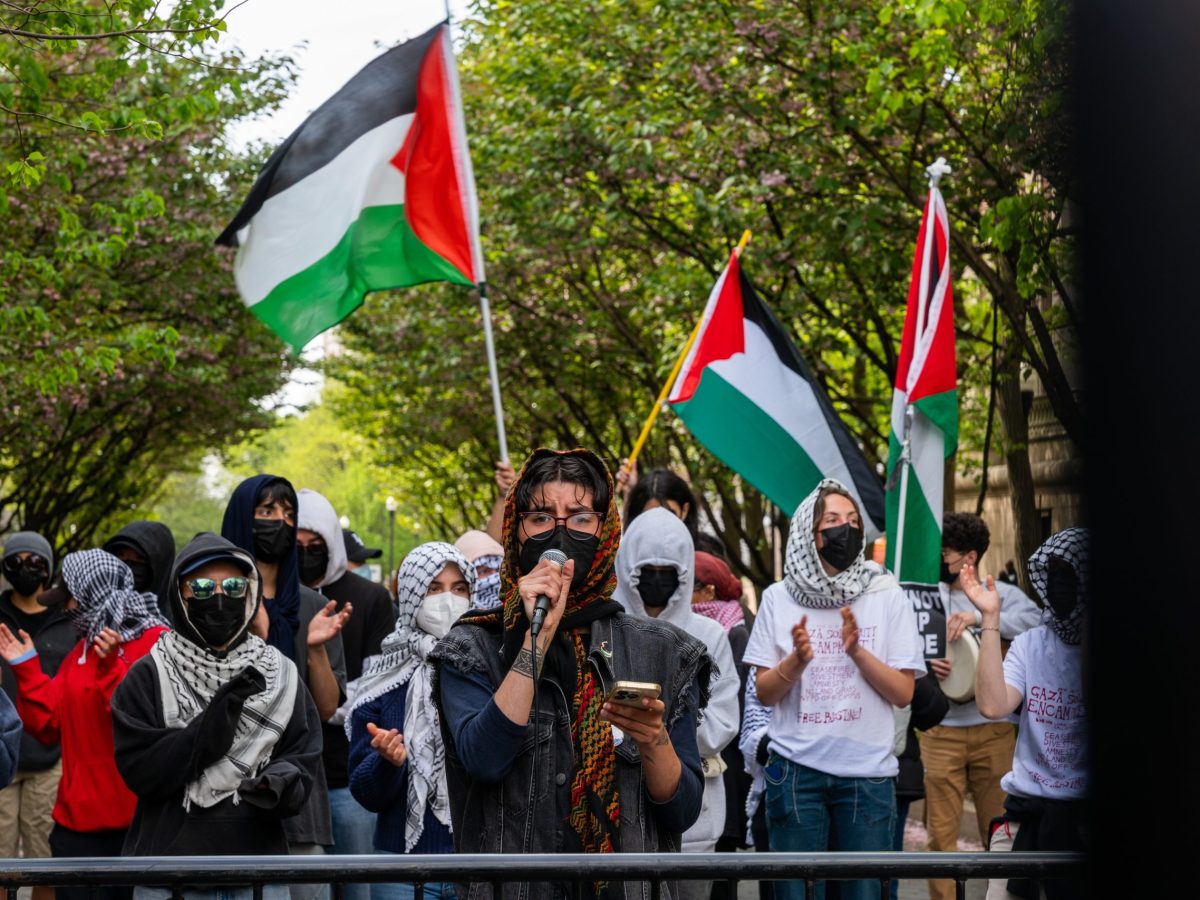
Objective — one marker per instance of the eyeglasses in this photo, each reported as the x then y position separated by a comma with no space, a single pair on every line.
540,525
206,588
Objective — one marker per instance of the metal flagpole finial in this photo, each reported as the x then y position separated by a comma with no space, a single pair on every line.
937,170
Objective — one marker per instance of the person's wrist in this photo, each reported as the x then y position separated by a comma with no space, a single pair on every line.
990,621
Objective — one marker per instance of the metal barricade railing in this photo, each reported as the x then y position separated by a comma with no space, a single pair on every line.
177,872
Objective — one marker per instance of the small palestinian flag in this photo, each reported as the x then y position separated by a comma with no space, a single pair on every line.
924,403
747,395
373,191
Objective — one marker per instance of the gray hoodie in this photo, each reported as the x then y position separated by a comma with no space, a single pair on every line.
658,538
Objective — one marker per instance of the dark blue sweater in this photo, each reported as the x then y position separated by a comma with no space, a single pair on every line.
383,788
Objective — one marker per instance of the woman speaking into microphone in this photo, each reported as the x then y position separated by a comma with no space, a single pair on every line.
541,757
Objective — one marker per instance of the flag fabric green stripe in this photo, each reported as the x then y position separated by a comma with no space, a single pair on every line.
942,410
378,251
922,529
744,437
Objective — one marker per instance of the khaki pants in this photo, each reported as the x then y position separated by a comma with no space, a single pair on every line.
956,760
25,807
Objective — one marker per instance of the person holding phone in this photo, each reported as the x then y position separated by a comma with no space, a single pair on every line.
538,759
836,648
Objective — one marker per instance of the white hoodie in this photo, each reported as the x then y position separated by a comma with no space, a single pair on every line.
317,514
658,538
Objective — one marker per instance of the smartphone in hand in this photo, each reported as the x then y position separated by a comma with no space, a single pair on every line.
630,693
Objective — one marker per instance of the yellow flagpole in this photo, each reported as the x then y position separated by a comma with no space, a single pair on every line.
627,466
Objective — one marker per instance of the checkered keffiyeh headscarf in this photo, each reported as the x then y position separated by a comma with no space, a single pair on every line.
1070,546
807,583
102,586
403,661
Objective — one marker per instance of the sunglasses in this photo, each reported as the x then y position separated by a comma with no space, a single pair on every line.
32,563
206,588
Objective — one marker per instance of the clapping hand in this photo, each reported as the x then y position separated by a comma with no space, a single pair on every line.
14,647
327,623
801,645
106,642
388,743
849,632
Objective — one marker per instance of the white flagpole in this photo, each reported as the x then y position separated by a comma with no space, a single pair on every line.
485,308
935,173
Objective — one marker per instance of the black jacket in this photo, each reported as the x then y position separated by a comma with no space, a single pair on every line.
54,639
373,619
158,762
156,544
929,707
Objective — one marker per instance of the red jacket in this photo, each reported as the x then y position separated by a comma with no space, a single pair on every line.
73,708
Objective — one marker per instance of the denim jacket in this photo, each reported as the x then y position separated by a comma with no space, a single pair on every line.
509,805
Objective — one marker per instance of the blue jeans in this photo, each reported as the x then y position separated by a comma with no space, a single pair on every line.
270,892
353,832
442,890
810,812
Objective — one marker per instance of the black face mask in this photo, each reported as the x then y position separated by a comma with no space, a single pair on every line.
143,576
1062,590
273,538
945,575
26,580
582,550
656,588
217,619
313,564
843,543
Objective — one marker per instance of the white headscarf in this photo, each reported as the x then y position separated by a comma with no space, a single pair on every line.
315,513
805,577
402,660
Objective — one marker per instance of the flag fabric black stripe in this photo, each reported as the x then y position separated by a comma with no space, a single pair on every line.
385,89
866,482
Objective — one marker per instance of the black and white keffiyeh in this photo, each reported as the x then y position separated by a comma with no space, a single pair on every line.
189,676
102,587
805,577
1070,546
487,591
403,661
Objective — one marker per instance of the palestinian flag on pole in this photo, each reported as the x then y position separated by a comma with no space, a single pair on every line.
373,191
924,403
747,395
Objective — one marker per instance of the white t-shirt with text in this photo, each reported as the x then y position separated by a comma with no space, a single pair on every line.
1051,755
832,720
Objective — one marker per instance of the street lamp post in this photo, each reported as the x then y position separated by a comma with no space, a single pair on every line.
391,508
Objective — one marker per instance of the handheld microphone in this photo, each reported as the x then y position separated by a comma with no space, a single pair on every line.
543,602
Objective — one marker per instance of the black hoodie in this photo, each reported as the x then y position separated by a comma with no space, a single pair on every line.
158,762
155,543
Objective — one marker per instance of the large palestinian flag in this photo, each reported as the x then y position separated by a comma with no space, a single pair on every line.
747,395
374,190
924,406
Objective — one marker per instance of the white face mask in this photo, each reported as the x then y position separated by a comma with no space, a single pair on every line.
438,612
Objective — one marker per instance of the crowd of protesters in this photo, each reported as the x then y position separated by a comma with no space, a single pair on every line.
253,694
